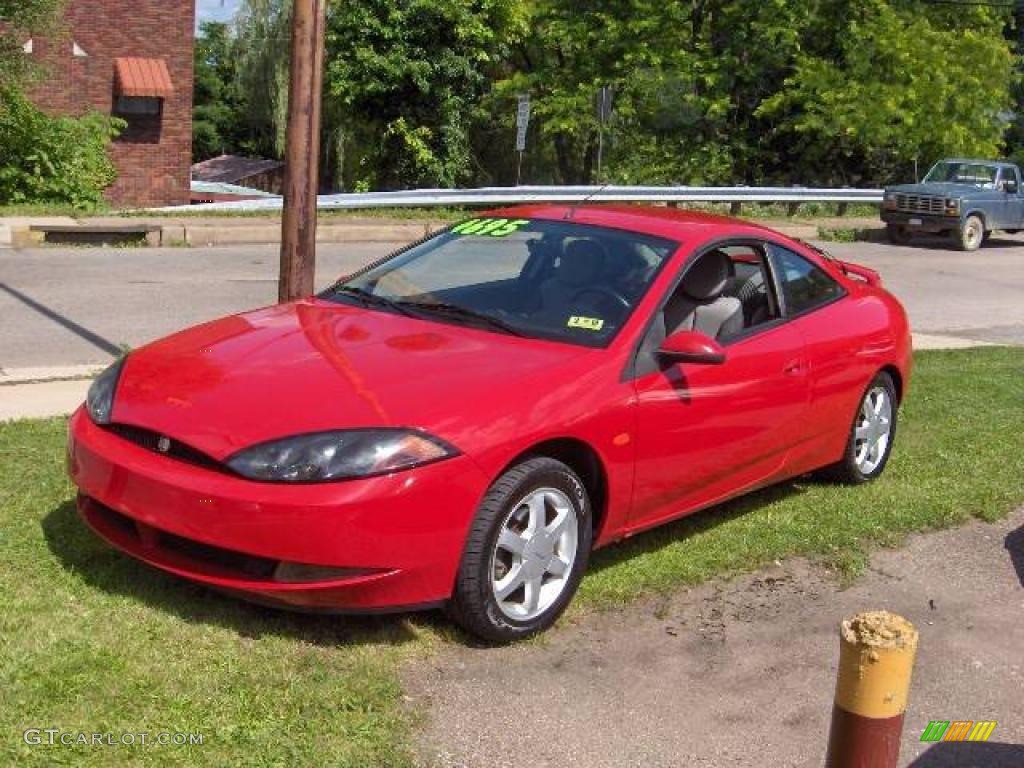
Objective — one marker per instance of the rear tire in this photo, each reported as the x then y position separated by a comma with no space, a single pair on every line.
971,234
526,552
898,234
871,435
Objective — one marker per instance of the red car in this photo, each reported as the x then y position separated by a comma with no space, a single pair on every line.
461,423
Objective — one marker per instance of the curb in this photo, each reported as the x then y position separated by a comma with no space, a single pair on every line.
18,234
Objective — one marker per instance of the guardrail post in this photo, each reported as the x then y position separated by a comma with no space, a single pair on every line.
876,658
735,207
792,208
841,210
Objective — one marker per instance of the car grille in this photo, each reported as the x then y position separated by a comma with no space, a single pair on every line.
238,564
920,203
150,440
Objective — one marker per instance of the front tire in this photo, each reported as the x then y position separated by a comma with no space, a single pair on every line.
525,554
898,234
971,234
871,435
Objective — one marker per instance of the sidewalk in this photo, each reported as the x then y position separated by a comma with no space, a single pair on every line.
16,232
258,230
34,393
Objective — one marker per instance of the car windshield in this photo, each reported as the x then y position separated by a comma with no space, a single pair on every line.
956,172
527,277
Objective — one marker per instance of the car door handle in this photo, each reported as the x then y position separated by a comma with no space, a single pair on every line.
793,367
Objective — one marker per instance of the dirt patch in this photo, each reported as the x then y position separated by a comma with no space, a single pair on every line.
742,672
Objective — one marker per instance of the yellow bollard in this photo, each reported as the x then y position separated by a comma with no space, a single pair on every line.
876,658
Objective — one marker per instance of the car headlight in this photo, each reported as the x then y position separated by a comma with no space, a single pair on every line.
339,455
99,401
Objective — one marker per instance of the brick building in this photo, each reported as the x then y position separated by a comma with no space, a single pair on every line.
132,59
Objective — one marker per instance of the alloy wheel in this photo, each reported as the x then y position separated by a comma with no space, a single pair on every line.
534,554
873,430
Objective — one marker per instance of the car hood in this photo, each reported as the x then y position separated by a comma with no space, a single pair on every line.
317,365
945,189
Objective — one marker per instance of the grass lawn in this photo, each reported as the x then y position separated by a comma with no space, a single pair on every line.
90,641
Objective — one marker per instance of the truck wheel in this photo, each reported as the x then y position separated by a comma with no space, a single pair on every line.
898,234
971,234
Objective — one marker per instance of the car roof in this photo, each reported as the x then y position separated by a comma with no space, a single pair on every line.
673,223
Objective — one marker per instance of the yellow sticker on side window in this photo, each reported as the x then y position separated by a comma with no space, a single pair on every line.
589,323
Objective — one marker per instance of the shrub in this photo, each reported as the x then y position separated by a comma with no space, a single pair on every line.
53,160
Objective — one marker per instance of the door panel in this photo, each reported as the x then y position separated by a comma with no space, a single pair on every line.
708,431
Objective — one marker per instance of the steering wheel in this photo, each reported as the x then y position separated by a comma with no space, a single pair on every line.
600,290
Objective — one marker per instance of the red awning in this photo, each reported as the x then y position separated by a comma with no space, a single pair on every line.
143,77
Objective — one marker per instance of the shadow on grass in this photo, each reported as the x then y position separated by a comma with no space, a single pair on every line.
1014,544
110,571
968,753
105,568
666,535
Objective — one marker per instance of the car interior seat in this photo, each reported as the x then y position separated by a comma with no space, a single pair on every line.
581,265
750,290
699,304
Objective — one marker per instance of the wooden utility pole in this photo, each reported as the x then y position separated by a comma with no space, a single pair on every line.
302,154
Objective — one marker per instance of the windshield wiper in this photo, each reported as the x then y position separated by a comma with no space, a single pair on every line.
372,299
454,310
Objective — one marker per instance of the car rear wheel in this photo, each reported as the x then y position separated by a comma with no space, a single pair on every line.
971,234
898,234
871,436
526,552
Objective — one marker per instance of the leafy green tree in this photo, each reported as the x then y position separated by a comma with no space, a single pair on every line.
890,83
45,159
219,106
19,20
406,78
58,160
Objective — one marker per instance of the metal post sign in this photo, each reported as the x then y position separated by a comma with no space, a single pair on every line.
522,120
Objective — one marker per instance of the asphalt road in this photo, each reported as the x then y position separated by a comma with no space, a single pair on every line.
69,306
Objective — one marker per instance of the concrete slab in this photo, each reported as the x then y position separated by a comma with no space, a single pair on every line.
40,400
36,374
933,341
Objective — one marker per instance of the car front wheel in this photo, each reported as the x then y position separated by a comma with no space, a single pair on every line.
871,435
971,234
525,554
898,234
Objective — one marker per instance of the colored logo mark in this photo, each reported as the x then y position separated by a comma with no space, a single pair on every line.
958,730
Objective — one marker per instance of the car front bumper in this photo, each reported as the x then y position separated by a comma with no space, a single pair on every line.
921,222
380,543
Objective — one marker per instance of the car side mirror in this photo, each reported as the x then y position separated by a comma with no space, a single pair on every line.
691,347
1010,187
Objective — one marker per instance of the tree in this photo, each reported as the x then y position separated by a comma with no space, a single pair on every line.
891,83
219,106
44,159
53,160
22,19
406,79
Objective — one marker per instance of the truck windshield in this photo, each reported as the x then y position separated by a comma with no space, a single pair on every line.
954,172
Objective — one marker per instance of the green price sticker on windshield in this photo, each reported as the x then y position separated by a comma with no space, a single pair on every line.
490,227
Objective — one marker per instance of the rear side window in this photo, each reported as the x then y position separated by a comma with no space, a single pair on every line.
804,286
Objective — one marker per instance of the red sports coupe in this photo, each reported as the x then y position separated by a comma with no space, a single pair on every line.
461,423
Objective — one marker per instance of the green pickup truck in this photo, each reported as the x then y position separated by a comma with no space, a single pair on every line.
965,198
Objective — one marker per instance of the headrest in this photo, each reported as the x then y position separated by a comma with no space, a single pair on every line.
581,263
708,277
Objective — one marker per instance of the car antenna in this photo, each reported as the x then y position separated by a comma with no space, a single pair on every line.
572,211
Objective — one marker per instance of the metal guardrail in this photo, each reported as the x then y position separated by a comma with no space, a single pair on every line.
490,196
